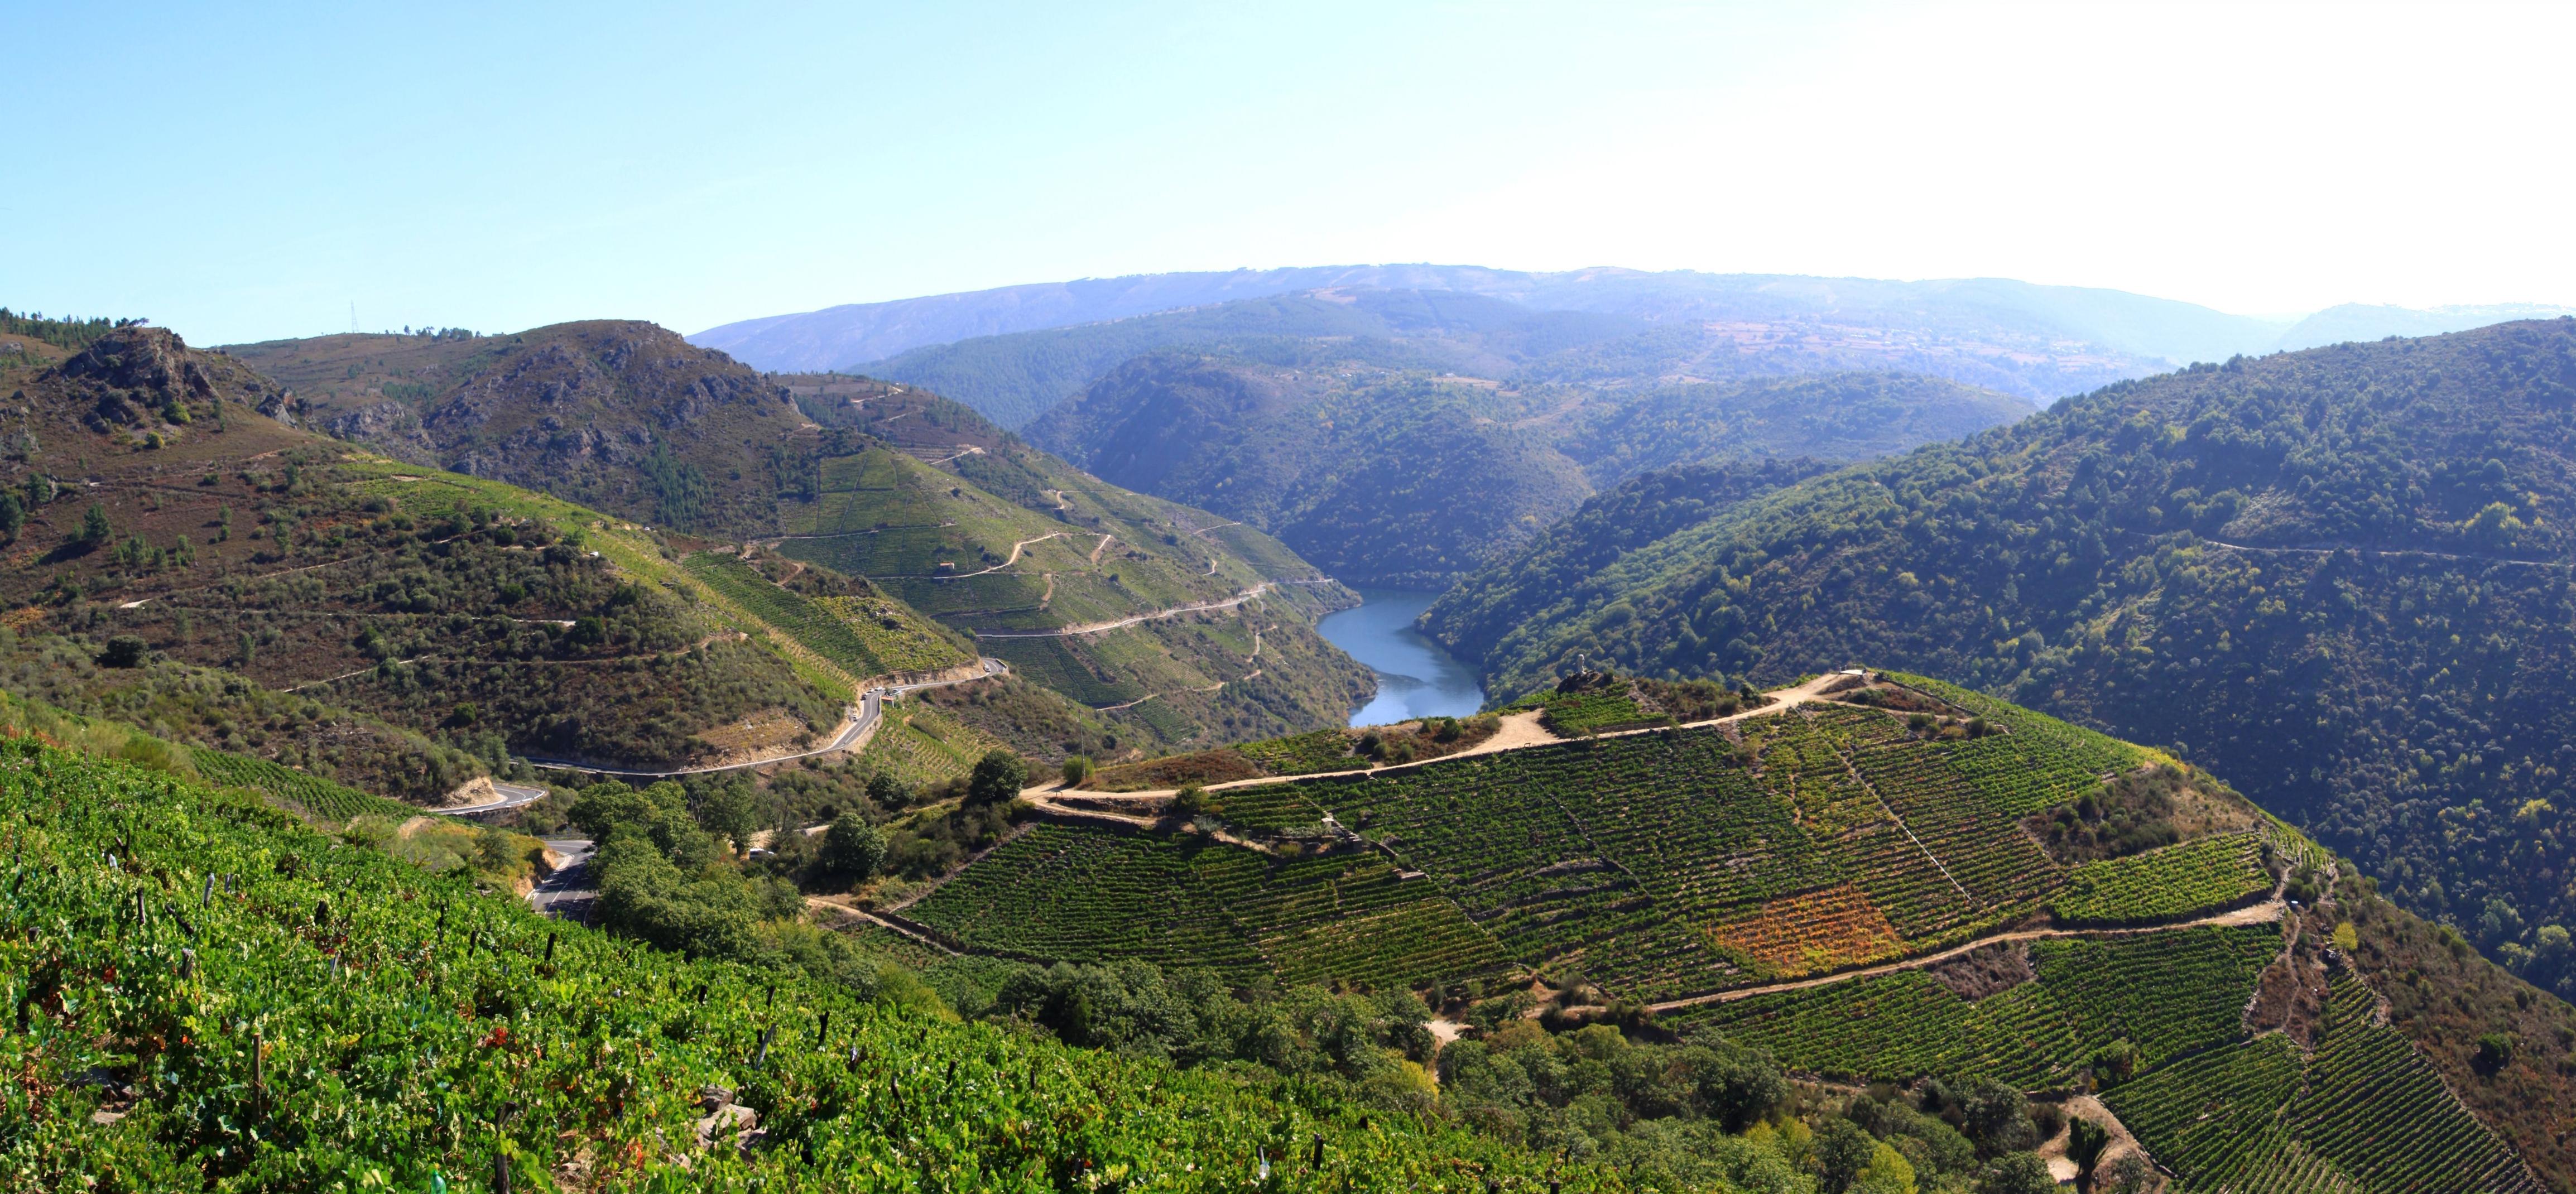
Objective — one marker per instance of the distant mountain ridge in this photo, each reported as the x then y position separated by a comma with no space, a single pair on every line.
1397,478
2161,330
2350,322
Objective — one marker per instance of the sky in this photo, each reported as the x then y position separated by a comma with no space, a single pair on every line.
241,173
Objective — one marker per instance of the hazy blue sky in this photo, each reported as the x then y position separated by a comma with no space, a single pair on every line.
250,173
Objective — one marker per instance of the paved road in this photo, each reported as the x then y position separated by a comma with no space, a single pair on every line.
568,893
512,796
871,708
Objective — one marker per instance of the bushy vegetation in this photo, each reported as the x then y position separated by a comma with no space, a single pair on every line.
206,707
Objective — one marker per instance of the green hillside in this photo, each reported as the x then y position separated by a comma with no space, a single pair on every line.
402,630
2341,576
1893,882
629,418
1390,476
230,1001
1131,623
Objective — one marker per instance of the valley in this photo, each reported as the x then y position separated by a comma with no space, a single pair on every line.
844,687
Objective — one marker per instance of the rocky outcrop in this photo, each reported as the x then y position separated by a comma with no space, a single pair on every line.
137,378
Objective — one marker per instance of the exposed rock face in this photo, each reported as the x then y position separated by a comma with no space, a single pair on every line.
579,410
139,378
388,425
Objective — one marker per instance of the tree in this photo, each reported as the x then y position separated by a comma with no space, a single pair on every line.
1842,1152
94,526
124,650
1996,1117
2017,1173
2495,1051
1888,1172
1077,768
730,809
885,791
12,515
852,848
998,778
606,805
1189,801
2085,1141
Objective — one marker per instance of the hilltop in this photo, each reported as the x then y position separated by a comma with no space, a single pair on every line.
613,414
2340,576
1399,477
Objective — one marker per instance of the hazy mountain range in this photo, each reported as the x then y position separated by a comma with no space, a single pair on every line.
2141,334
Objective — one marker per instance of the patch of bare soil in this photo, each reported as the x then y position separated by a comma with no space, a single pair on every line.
1988,970
764,732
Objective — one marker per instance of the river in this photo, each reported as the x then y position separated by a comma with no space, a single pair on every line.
1415,678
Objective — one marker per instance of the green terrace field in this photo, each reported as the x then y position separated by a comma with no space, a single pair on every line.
1093,893
2165,993
1658,865
1084,589
819,629
1865,892
981,561
211,996
2362,1111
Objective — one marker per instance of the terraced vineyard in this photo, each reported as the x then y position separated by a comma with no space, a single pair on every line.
1680,861
258,1007
810,624
2165,993
319,797
2161,884
2364,1112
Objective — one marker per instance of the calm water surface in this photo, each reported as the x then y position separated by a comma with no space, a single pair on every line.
1415,678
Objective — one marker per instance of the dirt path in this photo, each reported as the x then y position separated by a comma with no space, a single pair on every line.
1202,531
2396,552
1154,616
1519,731
969,450
1016,549
2267,911
1099,547
842,909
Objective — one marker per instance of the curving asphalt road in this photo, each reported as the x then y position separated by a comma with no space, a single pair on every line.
871,707
512,796
567,893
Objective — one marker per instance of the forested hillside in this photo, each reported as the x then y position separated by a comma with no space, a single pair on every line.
2340,576
1387,475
